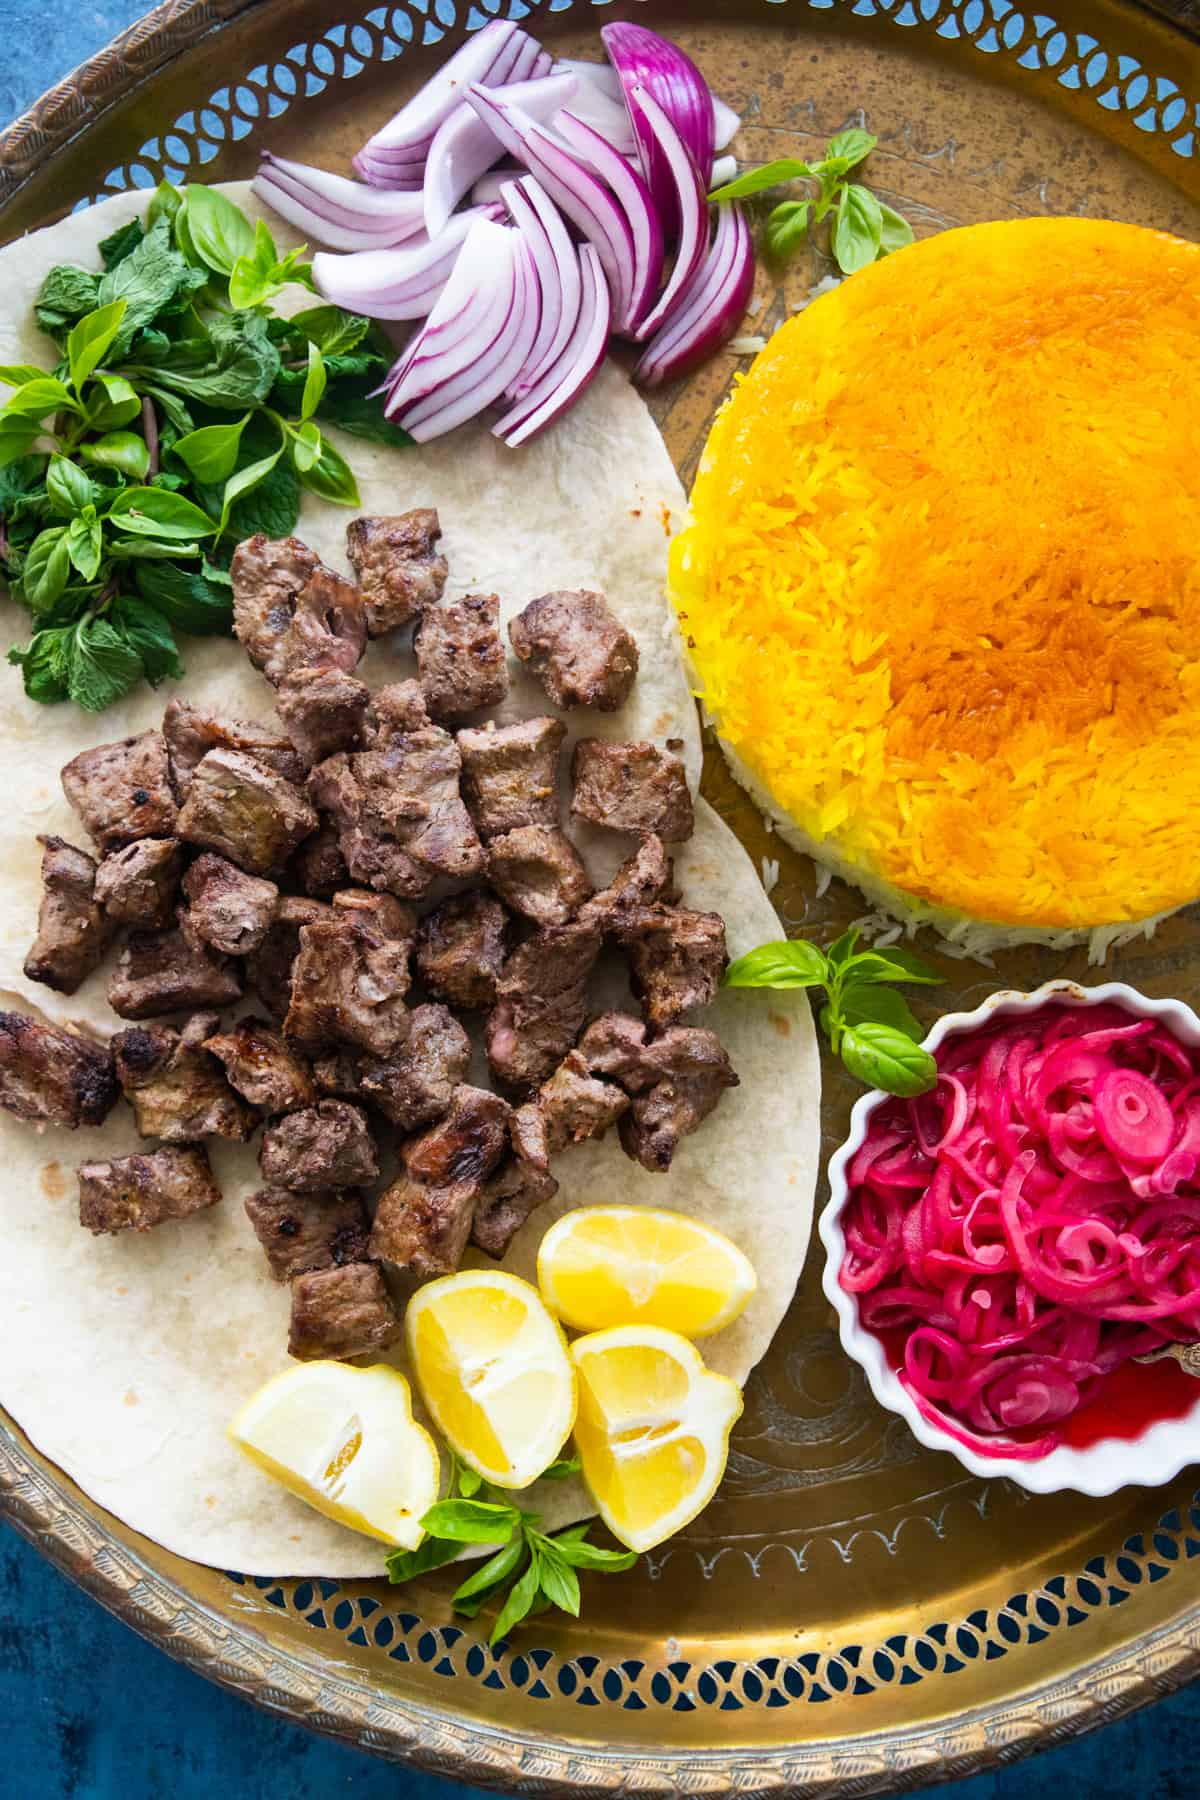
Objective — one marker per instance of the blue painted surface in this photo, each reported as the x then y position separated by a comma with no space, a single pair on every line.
90,1712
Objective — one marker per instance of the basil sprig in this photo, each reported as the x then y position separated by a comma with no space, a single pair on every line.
530,1570
863,227
868,1024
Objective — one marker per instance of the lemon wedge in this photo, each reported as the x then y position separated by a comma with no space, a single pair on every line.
493,1369
345,1440
652,1431
640,1265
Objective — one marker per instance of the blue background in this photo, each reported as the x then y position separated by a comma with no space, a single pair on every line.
90,1712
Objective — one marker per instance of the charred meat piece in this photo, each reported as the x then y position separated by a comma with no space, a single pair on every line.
341,1313
121,791
516,1190
53,1077
341,1074
510,773
631,787
163,971
259,1064
689,1071
325,1146
349,981
138,885
460,949
269,968
641,879
576,1105
318,867
415,1085
541,1002
176,1089
72,930
395,709
291,612
424,1218
245,811
300,1232
614,1045
134,1193
538,870
460,657
192,731
325,710
398,567
229,909
581,654
676,956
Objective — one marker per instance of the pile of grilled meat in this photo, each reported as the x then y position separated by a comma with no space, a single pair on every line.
238,858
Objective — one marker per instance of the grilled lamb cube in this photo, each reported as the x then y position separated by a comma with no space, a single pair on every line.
614,1046
396,709
341,1313
399,570
341,1073
642,878
318,867
350,978
259,1064
291,612
192,731
228,909
538,870
576,1105
138,885
423,1219
300,1232
245,811
510,773
689,1071
321,1147
121,791
135,1193
581,654
631,787
515,1191
73,932
676,957
460,657
460,949
541,1002
175,1088
51,1076
416,1084
163,971
269,968
325,710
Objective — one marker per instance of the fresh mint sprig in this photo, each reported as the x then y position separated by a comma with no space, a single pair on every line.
530,1570
868,1024
863,226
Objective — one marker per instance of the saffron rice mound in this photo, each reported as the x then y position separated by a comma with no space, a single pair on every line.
941,583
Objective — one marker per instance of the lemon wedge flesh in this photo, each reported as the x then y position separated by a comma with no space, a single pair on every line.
652,1431
640,1265
493,1369
345,1440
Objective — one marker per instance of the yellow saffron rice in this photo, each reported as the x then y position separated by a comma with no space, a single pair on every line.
941,582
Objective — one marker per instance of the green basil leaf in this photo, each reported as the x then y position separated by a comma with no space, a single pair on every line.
892,964
68,488
189,598
756,181
272,506
17,438
243,483
332,477
557,1579
165,204
849,148
330,329
84,541
216,229
146,631
250,277
154,512
430,1553
47,568
869,1000
857,229
43,665
65,295
468,1481
471,1521
211,453
582,1555
123,451
842,947
496,1569
135,549
517,1607
90,340
895,230
18,374
562,1470
101,665
37,398
120,243
314,383
116,404
883,1058
306,446
786,228
790,963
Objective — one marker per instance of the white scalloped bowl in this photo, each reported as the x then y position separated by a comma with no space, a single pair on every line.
1153,1457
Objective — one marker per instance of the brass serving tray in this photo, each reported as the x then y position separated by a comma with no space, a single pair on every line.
853,1614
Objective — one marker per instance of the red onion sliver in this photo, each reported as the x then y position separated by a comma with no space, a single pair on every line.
713,307
647,61
562,384
600,103
395,284
469,317
691,208
334,211
487,375
633,196
465,146
556,263
726,125
488,56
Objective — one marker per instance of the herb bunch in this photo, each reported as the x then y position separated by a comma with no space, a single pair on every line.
183,414
863,227
868,1024
530,1572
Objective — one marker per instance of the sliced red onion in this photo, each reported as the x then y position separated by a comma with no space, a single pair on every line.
647,61
395,284
724,169
487,378
633,196
335,211
465,146
599,102
712,308
566,379
556,263
489,189
726,125
691,207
